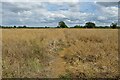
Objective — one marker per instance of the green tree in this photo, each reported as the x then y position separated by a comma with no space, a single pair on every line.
14,26
62,24
24,26
90,25
46,27
77,26
113,25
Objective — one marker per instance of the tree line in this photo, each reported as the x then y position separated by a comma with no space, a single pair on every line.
62,24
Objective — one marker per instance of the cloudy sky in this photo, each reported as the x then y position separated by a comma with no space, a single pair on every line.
50,13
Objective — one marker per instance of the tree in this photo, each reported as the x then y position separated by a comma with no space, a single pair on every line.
19,26
24,26
57,27
46,27
77,26
14,26
113,25
106,26
89,25
62,25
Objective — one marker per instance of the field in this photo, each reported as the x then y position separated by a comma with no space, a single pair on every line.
60,53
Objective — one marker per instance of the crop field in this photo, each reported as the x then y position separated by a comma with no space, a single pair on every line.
60,53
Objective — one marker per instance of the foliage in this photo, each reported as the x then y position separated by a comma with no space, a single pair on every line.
24,26
62,25
14,26
113,25
90,25
46,27
77,26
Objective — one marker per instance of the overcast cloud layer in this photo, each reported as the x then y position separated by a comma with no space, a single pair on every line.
59,0
50,13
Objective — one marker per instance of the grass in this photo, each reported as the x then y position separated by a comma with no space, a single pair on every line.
52,53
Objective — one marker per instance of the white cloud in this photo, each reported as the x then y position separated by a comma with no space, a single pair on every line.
36,14
102,18
59,0
25,13
113,11
41,0
106,0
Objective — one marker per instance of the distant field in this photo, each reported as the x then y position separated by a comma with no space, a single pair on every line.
60,53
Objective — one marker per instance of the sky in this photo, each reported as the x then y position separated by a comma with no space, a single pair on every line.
48,13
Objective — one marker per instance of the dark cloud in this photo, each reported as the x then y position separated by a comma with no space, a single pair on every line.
108,4
119,4
13,7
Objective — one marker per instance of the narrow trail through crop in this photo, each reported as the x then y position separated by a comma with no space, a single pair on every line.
56,66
